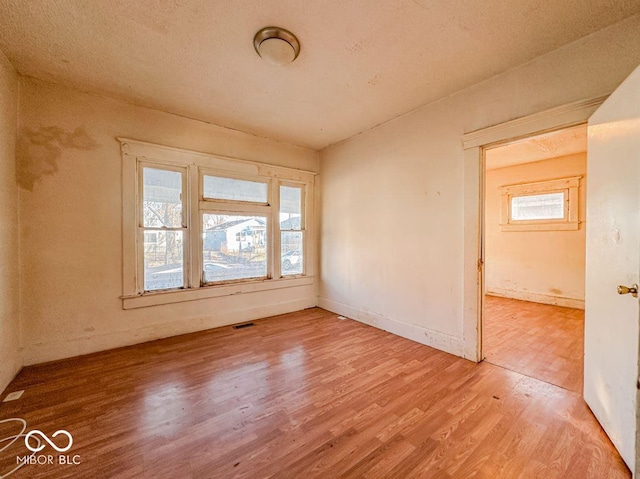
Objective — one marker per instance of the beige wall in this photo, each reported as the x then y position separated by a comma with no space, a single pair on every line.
541,266
10,360
392,197
71,233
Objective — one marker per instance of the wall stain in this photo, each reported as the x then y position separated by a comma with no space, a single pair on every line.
374,80
38,151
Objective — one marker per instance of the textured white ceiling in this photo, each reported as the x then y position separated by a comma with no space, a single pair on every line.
543,147
362,61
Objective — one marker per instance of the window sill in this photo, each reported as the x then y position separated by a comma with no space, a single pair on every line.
563,226
178,296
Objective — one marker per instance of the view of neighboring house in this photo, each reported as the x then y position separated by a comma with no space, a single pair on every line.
236,247
248,234
236,236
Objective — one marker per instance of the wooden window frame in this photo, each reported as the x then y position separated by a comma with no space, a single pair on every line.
570,188
248,213
195,166
142,229
303,227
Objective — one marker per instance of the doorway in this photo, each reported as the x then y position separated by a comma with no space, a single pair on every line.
534,256
611,323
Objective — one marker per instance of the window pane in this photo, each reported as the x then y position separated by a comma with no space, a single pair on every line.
219,188
234,247
162,198
290,208
163,258
538,207
292,259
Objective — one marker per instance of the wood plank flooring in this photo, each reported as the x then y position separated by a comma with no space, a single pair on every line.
539,340
302,395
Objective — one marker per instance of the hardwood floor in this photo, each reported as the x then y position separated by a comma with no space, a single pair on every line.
302,395
539,340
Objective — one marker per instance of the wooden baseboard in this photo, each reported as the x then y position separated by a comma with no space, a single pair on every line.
537,298
435,339
51,351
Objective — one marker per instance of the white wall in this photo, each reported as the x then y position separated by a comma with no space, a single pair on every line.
407,175
71,233
10,360
540,266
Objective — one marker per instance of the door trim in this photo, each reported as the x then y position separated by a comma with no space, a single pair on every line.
474,144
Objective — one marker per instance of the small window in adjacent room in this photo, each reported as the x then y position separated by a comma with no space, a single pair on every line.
544,205
550,206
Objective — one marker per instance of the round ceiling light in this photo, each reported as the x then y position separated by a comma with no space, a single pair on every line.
276,45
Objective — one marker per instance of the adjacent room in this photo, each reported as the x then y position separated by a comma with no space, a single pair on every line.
269,239
535,202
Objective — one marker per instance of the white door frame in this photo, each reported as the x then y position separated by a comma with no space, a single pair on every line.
475,143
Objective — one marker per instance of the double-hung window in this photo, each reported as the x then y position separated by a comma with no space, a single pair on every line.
203,226
292,229
162,226
236,221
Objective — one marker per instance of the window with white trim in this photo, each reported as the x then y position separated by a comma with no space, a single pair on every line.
235,214
204,224
543,205
162,217
292,229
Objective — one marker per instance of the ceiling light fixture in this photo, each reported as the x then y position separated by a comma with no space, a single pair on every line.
276,45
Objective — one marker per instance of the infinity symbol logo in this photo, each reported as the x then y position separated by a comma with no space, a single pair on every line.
41,446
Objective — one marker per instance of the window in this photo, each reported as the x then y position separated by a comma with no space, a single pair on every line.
291,230
548,206
162,218
204,226
234,248
545,205
216,187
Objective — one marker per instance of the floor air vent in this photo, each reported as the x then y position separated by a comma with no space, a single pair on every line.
242,326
